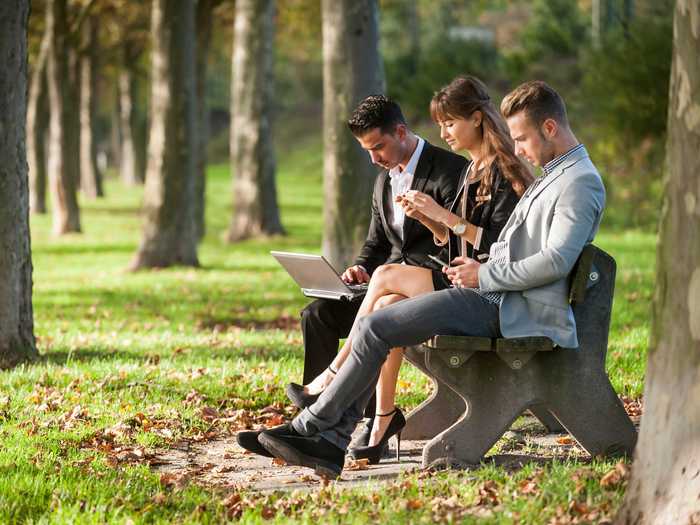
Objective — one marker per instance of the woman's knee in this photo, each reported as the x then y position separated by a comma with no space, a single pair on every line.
383,276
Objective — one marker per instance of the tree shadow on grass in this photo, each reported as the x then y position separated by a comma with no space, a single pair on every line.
80,249
221,323
97,354
211,312
111,210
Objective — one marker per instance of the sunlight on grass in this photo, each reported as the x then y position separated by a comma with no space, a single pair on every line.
119,345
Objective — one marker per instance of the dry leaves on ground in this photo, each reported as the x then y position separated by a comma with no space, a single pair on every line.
615,477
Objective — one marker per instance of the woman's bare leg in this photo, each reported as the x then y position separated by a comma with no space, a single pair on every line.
400,279
386,386
389,279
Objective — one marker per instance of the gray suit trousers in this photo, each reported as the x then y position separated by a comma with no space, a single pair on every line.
455,311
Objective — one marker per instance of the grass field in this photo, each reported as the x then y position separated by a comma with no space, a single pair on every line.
130,360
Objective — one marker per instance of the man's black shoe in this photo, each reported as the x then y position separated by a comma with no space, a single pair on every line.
314,452
248,439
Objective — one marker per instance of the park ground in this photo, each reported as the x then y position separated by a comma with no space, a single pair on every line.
135,364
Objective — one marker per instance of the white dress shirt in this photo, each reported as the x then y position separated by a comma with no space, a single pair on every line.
400,183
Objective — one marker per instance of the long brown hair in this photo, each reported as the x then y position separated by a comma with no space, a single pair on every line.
459,100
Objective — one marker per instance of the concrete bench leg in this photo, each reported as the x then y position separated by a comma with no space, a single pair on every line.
550,422
435,414
470,438
596,418
438,412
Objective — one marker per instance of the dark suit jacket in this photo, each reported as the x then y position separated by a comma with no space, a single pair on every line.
491,215
437,174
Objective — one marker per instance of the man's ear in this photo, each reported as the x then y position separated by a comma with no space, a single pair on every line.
550,128
400,131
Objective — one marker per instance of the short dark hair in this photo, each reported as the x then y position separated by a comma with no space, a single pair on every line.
375,111
538,100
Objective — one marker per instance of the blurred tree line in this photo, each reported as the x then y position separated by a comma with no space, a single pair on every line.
92,61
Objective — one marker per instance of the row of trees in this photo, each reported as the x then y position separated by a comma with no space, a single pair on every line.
61,118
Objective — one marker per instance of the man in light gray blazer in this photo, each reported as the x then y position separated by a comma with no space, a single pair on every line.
520,291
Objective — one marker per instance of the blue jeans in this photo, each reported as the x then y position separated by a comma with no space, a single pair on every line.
454,311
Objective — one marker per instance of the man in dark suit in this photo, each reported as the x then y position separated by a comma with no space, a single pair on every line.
408,162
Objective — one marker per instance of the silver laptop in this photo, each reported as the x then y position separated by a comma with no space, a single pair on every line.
317,278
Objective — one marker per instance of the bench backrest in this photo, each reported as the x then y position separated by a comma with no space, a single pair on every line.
593,278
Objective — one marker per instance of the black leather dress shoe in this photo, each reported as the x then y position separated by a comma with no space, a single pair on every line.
314,452
301,399
248,439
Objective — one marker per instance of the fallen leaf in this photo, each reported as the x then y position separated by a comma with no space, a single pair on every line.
357,464
616,476
413,504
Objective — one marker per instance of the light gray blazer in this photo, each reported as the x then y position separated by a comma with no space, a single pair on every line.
546,233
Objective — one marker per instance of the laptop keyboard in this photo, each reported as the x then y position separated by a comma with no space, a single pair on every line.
358,287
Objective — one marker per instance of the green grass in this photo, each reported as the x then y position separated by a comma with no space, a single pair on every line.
126,347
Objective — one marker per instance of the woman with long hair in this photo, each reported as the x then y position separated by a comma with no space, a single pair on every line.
492,184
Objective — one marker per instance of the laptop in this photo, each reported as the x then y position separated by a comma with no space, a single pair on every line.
317,278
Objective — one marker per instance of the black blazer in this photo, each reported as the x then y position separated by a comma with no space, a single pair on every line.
491,215
437,174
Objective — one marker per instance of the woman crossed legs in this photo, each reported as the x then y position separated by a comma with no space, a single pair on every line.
389,284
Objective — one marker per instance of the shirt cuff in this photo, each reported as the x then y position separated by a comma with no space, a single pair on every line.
363,268
477,238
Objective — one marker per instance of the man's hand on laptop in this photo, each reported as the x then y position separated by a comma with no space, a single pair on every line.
464,272
355,275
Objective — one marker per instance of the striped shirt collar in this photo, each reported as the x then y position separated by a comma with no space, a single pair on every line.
555,162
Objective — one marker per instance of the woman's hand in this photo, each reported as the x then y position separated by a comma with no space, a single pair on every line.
410,210
424,204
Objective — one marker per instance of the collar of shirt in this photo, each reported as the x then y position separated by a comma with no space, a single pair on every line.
412,163
552,164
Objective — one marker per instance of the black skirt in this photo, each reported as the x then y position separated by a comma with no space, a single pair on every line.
440,281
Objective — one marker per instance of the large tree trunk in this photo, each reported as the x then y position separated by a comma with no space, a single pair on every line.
255,210
37,127
204,23
61,166
352,70
90,176
665,484
16,319
169,231
130,167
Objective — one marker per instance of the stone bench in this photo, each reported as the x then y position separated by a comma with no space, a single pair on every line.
481,385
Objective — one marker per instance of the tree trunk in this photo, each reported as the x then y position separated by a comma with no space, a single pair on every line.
352,70
665,484
255,210
130,168
61,167
16,318
169,231
204,23
37,126
91,178
115,133
413,28
72,130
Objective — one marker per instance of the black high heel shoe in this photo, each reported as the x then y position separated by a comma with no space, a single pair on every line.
374,453
296,394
